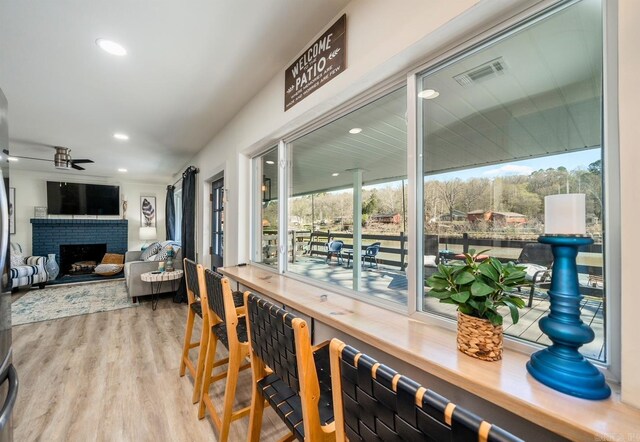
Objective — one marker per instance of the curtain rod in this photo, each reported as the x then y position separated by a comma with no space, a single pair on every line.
184,174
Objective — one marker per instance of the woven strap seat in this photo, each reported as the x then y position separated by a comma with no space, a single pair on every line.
238,299
379,404
287,402
196,306
220,330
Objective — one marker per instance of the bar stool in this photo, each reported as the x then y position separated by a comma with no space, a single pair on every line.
195,309
288,372
227,324
373,402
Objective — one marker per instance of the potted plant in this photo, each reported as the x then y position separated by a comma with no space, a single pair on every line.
479,289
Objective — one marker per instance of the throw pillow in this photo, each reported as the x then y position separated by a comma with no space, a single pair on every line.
151,250
17,259
108,269
163,254
429,261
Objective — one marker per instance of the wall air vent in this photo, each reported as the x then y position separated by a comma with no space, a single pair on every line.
487,70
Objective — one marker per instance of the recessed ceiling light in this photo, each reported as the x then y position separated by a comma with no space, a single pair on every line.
335,174
122,170
428,94
14,159
121,136
355,130
270,162
111,47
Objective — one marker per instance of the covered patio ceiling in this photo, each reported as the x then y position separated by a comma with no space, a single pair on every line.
536,102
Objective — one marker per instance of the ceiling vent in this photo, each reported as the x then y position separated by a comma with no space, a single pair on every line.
485,71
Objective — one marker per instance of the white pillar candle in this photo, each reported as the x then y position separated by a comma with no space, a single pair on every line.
565,214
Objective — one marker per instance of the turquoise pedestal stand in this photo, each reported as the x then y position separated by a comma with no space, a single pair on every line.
561,366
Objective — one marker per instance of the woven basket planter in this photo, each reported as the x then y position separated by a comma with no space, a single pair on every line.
479,338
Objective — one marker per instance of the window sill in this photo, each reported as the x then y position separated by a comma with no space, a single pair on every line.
433,349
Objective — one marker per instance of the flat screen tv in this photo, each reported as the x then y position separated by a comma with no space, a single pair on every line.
82,199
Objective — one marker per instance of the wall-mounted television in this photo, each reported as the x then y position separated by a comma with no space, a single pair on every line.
82,199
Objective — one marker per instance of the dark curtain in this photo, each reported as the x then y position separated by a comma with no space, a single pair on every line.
188,223
170,214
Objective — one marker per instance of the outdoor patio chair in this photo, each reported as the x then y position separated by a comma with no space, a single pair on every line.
371,254
373,402
431,257
334,248
537,260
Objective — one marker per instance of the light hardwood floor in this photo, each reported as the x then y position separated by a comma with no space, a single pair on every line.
113,376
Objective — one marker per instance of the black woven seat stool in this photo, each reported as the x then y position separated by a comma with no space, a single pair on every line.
288,372
195,309
228,326
372,402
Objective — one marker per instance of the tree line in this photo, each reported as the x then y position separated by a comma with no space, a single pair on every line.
447,200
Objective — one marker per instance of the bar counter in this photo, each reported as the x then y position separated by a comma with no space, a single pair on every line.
433,349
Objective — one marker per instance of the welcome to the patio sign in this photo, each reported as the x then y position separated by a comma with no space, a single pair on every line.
319,64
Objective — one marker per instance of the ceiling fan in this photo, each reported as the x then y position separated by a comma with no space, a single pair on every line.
62,159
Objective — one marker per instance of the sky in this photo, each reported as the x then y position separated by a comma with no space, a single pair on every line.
572,160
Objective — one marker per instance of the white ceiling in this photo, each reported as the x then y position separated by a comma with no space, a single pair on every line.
190,68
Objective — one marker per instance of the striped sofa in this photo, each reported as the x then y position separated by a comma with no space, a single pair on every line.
30,273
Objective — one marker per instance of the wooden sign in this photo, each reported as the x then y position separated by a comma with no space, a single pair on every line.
319,64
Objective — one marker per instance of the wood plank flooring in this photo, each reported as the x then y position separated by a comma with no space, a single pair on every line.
113,376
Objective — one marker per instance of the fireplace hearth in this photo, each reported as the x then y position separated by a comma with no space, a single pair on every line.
80,259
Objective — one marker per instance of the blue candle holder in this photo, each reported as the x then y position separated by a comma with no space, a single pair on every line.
561,366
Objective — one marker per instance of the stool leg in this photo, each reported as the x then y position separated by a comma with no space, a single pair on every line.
255,416
204,343
233,370
187,340
257,401
206,375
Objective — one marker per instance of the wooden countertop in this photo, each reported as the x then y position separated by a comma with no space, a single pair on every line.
433,349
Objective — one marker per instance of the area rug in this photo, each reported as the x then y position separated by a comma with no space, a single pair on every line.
71,300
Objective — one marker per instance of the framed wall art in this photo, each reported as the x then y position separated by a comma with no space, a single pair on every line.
148,211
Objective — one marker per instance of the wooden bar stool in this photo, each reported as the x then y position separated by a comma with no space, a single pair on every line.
288,372
195,309
373,402
227,325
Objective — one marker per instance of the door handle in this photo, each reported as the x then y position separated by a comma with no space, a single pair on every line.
12,395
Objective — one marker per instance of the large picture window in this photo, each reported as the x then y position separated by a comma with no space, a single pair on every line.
347,201
499,127
502,127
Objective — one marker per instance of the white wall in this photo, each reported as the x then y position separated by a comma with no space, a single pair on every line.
31,191
385,38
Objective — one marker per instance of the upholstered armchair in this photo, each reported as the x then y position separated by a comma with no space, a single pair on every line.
27,271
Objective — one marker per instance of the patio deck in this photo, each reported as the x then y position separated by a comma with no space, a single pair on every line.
391,284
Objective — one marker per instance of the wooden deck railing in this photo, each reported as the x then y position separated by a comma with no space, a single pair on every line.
394,247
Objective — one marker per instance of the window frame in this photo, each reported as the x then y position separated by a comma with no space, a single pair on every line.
409,77
611,184
392,85
256,207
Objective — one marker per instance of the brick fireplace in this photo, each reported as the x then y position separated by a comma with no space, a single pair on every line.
54,235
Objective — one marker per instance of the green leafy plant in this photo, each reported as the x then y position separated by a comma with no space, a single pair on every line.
479,288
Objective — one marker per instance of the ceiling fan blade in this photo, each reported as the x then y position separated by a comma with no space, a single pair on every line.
32,158
84,160
76,167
